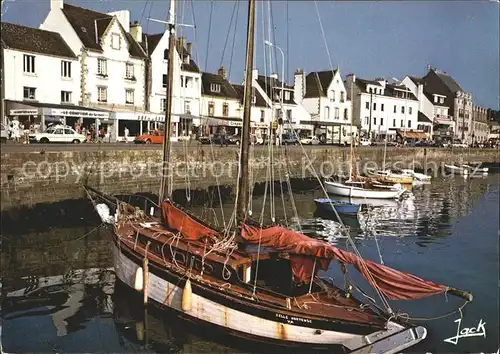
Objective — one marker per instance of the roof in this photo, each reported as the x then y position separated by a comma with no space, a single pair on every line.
259,100
362,83
449,82
150,42
423,118
226,89
389,90
34,40
89,25
267,83
317,83
417,80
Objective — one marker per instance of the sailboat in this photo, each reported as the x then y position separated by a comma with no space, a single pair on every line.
251,280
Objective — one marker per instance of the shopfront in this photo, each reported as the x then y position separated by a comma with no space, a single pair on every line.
136,123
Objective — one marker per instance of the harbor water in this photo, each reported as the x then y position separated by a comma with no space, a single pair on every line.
59,293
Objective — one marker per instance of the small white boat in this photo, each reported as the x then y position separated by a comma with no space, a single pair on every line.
476,169
456,170
351,190
392,176
416,175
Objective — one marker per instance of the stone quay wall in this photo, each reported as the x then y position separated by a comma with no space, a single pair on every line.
30,178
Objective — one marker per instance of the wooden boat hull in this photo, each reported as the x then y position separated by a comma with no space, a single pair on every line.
266,327
341,207
456,170
395,179
357,192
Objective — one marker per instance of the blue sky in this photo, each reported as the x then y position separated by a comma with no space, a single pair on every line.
372,39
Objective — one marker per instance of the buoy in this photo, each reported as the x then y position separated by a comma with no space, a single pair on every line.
138,279
187,295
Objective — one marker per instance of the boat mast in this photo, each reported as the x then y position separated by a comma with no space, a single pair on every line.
165,186
242,202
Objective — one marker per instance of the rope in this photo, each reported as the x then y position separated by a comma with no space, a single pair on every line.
209,31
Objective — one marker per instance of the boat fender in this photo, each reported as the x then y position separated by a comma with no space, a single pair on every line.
187,295
103,211
139,282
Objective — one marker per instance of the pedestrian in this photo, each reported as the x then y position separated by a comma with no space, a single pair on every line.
126,131
16,130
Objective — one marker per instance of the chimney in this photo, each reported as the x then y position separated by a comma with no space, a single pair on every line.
136,31
299,87
222,72
274,76
56,4
123,17
189,47
182,42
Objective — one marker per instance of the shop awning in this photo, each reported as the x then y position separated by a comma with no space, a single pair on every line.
322,124
412,134
49,109
223,121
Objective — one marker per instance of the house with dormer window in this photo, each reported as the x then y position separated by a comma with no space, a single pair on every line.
112,62
324,96
186,92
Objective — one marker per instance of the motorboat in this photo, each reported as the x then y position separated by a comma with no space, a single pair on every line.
416,175
332,205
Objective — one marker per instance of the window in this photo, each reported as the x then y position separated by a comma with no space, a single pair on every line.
382,107
129,71
441,99
59,131
402,124
129,96
367,119
436,99
165,54
336,113
187,107
409,124
332,95
102,94
215,87
327,112
262,115
211,109
374,106
289,114
165,80
394,122
69,131
342,96
163,104
346,114
102,67
65,96
279,113
29,93
409,110
29,64
115,41
381,121
287,95
403,109
395,109
374,121
367,105
65,69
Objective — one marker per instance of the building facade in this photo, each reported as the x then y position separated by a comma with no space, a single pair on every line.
383,110
480,127
42,78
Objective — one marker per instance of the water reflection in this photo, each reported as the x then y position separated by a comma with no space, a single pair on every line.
59,293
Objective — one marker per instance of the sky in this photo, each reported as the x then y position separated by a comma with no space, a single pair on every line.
372,39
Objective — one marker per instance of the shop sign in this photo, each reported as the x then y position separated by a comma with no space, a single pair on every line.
77,113
151,118
23,112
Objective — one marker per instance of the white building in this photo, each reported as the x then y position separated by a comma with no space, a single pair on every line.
112,62
382,109
42,77
279,105
186,93
434,116
324,96
221,105
260,111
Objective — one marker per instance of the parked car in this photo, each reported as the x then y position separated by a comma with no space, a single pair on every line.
310,140
365,142
289,139
152,137
458,144
4,133
58,134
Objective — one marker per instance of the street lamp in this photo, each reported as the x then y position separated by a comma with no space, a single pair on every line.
270,44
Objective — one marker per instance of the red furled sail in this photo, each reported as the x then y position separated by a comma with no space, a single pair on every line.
394,284
180,221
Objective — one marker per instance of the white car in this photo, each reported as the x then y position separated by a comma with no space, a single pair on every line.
58,134
459,145
365,142
310,140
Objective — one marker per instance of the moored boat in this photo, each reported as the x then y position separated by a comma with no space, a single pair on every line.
360,190
456,170
389,176
416,175
332,205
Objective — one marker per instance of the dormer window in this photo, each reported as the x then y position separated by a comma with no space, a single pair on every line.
287,95
115,41
185,59
215,87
